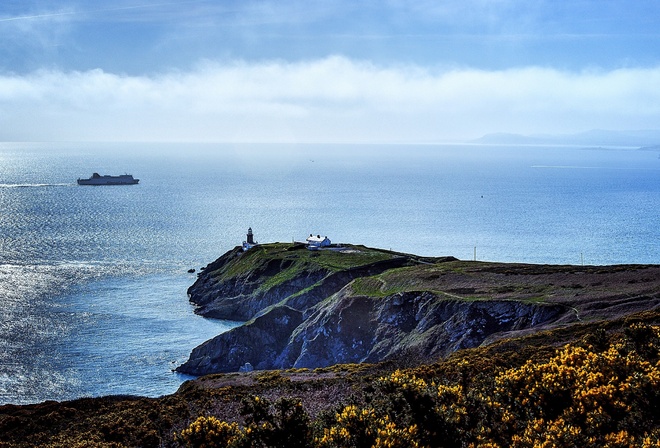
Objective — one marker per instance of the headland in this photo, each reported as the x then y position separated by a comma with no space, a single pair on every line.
353,304
419,350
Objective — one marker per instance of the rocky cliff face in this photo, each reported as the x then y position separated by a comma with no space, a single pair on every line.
261,340
274,287
417,327
234,287
349,328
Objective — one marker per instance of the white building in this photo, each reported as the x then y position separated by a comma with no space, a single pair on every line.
318,241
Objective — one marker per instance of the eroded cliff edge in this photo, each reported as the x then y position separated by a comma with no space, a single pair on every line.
357,304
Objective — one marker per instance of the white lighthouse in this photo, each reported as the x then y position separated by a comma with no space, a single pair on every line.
250,242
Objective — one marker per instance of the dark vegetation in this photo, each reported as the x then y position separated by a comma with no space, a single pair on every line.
595,385
590,379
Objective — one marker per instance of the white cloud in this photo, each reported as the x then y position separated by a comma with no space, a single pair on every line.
325,100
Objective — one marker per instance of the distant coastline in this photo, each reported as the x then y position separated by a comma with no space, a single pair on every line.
640,139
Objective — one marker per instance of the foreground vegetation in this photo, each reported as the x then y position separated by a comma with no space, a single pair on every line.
598,392
591,385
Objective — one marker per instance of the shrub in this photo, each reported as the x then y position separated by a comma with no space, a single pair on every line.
283,424
206,432
581,397
356,428
600,392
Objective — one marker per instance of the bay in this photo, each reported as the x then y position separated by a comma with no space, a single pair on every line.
93,279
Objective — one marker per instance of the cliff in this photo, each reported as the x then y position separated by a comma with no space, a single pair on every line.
356,304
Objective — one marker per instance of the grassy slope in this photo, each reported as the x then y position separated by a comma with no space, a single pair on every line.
297,259
240,284
594,292
271,266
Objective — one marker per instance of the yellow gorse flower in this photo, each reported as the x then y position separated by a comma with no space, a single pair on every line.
579,396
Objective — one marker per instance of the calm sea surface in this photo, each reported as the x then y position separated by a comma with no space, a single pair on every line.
93,279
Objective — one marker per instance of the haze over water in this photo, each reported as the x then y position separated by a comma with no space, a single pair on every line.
93,279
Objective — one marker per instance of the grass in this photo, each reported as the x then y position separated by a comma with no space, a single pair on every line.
391,282
285,275
287,263
472,281
339,260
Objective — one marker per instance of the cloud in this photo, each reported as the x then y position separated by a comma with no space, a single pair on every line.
333,99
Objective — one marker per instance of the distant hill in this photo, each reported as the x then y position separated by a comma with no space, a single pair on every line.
594,137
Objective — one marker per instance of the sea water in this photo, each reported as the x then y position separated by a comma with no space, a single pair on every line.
93,279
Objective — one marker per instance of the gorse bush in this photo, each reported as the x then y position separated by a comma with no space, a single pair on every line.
283,424
600,392
579,397
355,427
206,432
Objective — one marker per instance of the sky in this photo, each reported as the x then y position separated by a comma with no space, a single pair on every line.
339,71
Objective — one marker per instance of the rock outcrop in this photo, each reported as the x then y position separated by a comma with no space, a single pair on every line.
416,327
355,304
261,340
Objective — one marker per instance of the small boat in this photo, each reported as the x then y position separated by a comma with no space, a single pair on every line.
97,179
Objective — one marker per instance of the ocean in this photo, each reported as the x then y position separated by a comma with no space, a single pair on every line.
93,279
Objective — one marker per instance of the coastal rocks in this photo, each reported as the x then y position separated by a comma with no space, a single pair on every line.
235,286
255,343
247,367
275,291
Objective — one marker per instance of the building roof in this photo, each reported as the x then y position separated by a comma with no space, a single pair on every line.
316,239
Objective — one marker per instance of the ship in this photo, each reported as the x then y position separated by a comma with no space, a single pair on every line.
97,179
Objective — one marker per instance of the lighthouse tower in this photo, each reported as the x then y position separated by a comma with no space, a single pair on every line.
250,242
